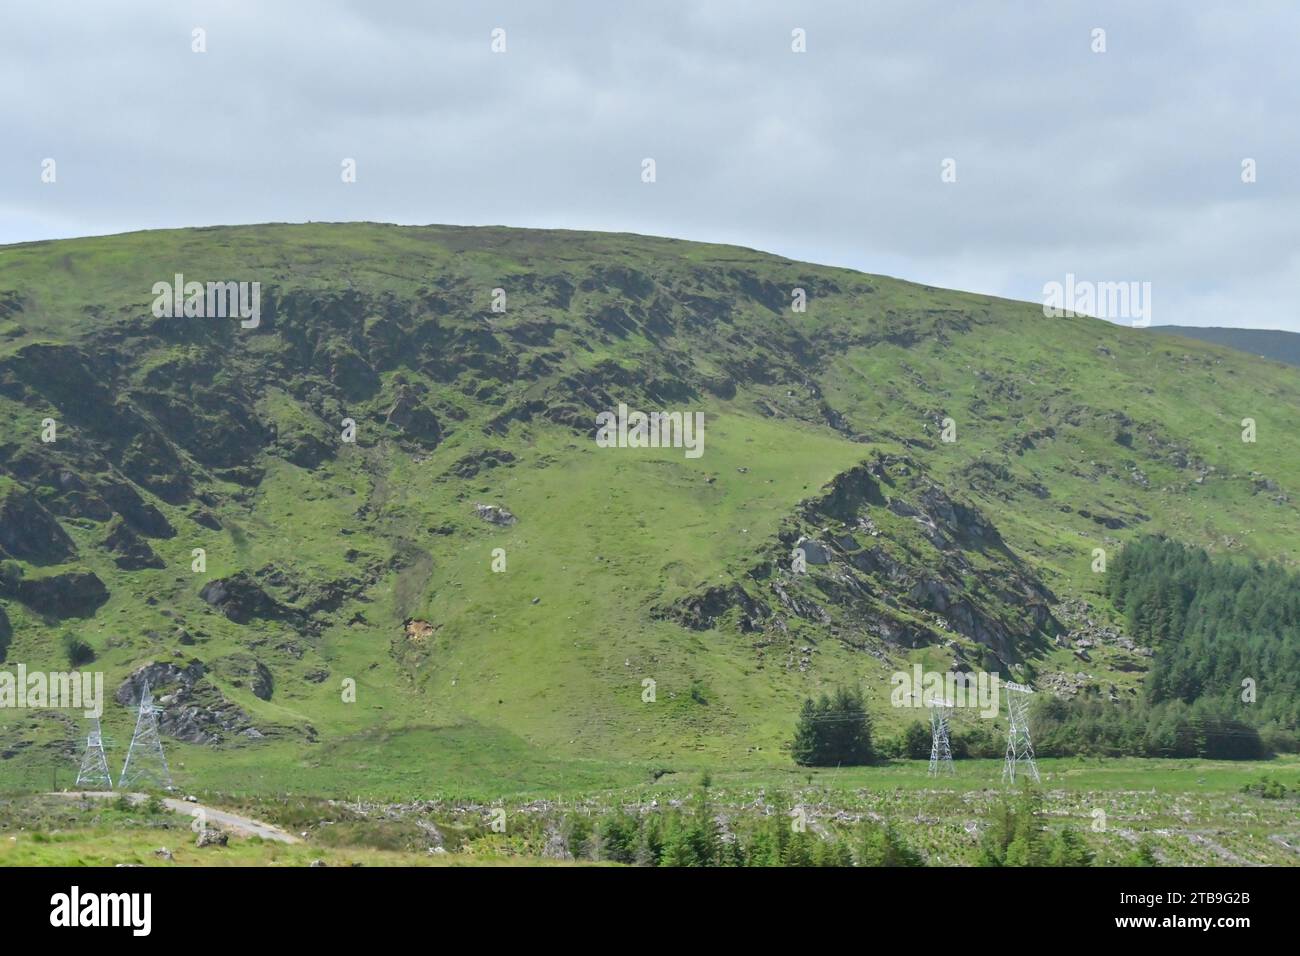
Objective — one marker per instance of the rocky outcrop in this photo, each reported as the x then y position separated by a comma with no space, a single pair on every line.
303,449
212,421
133,553
814,552
76,593
883,592
964,524
151,462
242,600
207,519
416,421
244,670
192,708
28,531
157,675
850,491
472,464
494,514
699,612
138,513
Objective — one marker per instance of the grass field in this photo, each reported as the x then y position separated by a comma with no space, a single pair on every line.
1189,812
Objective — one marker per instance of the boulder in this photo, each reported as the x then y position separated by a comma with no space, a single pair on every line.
814,552
494,514
211,836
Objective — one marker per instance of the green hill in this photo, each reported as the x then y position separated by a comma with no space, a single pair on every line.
370,561
1268,343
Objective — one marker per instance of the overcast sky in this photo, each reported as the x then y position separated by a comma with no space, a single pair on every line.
1122,165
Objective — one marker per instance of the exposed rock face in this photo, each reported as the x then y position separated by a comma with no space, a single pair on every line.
241,670
30,533
137,512
193,709
700,612
303,449
472,464
157,675
814,552
351,373
966,524
205,518
415,420
70,594
151,462
133,553
242,600
849,491
875,596
494,514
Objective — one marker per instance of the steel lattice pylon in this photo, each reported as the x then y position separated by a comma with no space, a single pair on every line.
94,764
144,759
940,748
1020,749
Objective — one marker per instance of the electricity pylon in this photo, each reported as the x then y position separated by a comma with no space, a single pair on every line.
1020,749
144,759
940,748
94,771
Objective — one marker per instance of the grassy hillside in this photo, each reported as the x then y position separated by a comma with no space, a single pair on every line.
1269,343
329,561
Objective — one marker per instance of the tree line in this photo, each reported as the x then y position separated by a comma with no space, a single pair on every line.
1224,681
1223,631
697,834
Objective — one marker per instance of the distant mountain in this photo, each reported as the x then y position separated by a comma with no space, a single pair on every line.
1279,346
